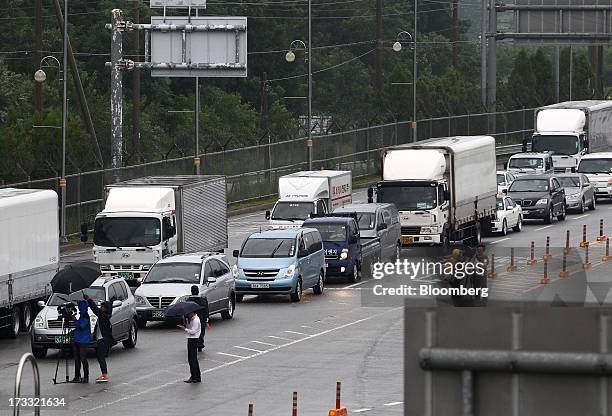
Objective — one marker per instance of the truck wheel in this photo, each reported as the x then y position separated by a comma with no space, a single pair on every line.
318,289
296,295
130,342
229,312
26,316
15,323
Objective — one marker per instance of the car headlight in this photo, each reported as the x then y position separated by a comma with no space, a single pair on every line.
236,272
344,255
140,300
542,201
290,272
39,323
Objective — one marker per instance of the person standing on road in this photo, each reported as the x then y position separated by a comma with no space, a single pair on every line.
193,330
202,313
82,339
104,335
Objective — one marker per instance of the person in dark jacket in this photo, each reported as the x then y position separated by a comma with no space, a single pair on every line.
202,313
82,339
104,334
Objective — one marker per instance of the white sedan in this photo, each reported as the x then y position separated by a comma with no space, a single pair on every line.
504,179
509,215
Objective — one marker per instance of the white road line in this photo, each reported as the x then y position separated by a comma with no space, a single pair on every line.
500,240
297,333
264,343
365,409
582,216
355,284
248,349
281,338
306,326
543,228
210,370
393,404
233,355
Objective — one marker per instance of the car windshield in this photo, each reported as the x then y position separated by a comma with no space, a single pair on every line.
595,166
556,145
292,210
569,181
409,198
500,203
127,232
526,163
331,233
174,273
501,178
529,185
97,293
366,220
268,247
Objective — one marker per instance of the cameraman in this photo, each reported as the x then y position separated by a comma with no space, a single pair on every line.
104,334
82,339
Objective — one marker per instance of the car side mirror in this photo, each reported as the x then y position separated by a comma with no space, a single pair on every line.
505,191
84,232
302,253
447,195
524,146
381,227
268,215
236,253
117,303
211,279
505,166
41,303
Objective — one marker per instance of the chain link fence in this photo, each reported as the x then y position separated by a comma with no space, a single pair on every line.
252,172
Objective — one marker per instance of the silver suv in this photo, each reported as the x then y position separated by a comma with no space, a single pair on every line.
169,281
47,328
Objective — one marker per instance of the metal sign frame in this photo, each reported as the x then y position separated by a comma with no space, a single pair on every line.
177,4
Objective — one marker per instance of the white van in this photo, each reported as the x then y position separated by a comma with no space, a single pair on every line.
530,163
598,168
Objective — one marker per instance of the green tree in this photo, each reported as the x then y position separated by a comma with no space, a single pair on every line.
521,82
541,65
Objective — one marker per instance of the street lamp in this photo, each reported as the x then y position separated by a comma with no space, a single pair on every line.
290,57
397,46
41,76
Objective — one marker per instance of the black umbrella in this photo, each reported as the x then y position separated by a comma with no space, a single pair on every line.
181,309
75,277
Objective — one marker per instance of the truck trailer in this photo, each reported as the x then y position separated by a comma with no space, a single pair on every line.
147,219
444,189
29,254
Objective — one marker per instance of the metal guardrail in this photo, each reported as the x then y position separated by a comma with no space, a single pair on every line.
26,357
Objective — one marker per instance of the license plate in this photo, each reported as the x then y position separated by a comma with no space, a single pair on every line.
260,285
407,240
158,313
61,339
126,275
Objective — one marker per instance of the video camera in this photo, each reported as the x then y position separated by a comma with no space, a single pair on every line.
67,311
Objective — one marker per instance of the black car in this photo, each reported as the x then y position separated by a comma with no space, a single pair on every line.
540,196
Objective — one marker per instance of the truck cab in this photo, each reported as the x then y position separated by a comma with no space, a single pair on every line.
530,163
598,169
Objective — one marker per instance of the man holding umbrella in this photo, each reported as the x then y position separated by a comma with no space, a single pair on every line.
193,328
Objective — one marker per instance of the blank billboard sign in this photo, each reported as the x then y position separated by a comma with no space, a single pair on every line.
199,47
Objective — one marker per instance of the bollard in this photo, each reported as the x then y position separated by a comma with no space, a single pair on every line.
601,236
250,409
338,411
493,273
584,242
586,263
547,255
566,249
563,272
338,392
532,260
512,267
294,408
607,257
545,279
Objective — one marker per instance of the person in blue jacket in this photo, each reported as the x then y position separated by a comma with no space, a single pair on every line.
82,339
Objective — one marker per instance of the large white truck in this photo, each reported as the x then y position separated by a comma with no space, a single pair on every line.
309,192
29,254
444,189
571,129
147,219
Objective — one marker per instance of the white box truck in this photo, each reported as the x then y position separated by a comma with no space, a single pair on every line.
444,189
571,129
29,254
147,219
309,192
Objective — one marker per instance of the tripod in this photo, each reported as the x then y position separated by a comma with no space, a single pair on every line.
65,336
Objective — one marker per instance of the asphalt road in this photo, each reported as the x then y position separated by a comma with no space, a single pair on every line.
273,347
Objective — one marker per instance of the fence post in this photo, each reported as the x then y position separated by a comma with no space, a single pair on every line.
468,123
79,219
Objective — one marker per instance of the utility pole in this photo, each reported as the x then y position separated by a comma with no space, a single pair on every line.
62,182
483,53
136,93
196,156
556,57
492,67
455,36
116,94
38,23
309,141
414,76
378,60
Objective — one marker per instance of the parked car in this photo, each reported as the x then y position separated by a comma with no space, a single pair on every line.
169,281
280,262
509,215
540,196
377,221
504,179
530,163
341,243
579,193
47,329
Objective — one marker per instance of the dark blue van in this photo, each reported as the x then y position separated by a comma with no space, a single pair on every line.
341,243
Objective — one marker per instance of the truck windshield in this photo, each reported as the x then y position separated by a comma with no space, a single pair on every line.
331,233
526,163
127,232
292,210
595,166
174,273
557,145
268,247
409,198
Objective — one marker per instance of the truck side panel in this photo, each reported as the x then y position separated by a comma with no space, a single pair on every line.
600,130
341,191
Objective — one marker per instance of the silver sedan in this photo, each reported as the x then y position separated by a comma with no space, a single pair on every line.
579,193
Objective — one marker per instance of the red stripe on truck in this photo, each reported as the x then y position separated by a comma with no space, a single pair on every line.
342,197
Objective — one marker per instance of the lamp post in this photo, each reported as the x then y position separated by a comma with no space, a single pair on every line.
41,76
290,57
397,46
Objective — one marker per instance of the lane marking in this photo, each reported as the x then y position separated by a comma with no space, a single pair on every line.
543,228
582,216
233,355
264,343
393,404
248,349
306,326
356,284
365,409
500,240
297,333
281,338
210,370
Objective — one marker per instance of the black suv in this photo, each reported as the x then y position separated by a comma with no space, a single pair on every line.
540,196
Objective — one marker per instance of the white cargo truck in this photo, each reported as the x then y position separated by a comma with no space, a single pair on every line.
571,129
309,192
147,219
29,254
444,189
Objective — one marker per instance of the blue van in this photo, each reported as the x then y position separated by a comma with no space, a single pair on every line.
342,245
280,262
